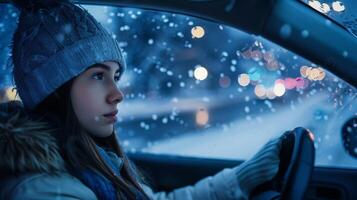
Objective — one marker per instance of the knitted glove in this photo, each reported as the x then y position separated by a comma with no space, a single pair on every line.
262,167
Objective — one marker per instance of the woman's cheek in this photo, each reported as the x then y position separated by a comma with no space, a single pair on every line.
82,102
90,101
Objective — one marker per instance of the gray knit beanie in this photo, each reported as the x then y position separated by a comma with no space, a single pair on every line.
55,41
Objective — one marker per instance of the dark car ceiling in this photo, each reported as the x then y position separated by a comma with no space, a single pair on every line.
328,44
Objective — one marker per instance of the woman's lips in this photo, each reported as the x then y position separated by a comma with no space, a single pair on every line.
112,113
111,118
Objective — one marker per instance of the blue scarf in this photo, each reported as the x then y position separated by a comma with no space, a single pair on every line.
100,185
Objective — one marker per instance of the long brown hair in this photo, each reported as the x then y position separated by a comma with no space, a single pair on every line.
79,148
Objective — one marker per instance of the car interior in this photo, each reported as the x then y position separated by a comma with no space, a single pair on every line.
298,178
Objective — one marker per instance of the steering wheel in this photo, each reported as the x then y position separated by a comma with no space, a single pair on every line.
297,156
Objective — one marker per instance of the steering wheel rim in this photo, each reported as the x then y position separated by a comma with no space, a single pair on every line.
297,177
297,156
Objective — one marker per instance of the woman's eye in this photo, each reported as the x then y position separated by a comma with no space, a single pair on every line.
116,78
98,76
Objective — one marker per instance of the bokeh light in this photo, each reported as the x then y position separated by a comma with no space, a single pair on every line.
256,55
300,83
280,81
338,6
279,89
321,7
303,71
260,91
268,56
246,54
313,74
270,93
289,83
202,117
224,81
243,80
254,74
197,32
322,74
273,65
200,73
325,8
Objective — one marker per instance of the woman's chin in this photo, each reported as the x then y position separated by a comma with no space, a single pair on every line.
103,133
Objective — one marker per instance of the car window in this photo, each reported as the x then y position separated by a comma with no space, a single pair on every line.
197,88
342,11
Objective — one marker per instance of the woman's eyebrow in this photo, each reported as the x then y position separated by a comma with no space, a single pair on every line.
103,66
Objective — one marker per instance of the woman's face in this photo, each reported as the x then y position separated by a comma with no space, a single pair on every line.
95,96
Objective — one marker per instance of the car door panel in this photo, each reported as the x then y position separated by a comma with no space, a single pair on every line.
166,172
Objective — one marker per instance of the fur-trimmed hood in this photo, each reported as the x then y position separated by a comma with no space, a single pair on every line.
26,144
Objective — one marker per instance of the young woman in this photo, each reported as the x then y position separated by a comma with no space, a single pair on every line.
60,142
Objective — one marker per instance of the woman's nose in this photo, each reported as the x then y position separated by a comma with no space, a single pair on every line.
115,97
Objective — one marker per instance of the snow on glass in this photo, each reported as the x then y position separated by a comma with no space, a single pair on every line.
187,77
